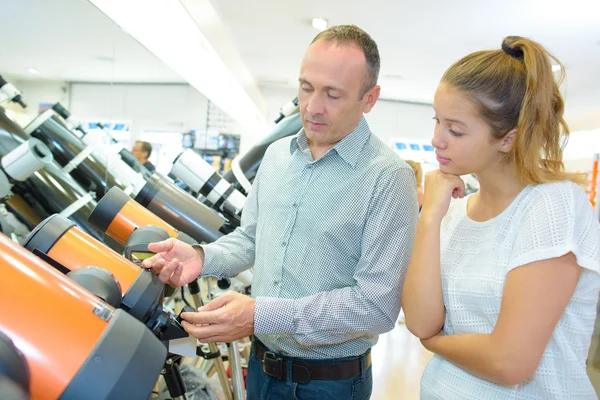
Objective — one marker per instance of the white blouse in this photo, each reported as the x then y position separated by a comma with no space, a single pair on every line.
544,221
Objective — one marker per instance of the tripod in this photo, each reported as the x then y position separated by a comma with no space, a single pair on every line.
237,376
173,379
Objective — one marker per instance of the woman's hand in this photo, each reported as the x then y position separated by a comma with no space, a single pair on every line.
439,188
429,343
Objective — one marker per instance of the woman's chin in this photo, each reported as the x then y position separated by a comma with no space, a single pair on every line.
453,170
447,169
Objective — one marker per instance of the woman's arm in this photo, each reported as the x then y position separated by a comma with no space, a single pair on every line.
422,298
534,298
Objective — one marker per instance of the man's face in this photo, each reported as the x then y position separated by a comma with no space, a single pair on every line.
332,78
137,151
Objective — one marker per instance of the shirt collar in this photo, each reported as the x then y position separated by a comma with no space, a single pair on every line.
349,148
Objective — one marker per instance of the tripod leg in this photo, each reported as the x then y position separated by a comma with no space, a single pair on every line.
237,375
245,342
218,361
174,380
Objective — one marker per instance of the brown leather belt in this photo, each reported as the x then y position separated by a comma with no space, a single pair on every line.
304,371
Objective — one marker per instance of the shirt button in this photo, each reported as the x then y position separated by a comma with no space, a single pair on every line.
284,244
276,283
295,205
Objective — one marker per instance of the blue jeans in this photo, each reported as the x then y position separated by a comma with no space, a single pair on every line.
260,386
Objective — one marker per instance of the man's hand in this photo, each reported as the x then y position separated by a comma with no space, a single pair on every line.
227,318
175,262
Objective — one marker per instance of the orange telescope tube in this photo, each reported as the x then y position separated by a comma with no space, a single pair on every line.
76,345
118,216
59,241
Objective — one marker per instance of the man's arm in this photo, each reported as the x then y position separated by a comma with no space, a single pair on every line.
373,303
235,252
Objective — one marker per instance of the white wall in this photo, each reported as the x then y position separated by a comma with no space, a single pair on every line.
275,98
391,120
580,150
584,121
144,107
36,93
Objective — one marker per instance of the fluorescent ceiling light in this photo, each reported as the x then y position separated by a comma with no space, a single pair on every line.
34,71
166,29
319,23
555,67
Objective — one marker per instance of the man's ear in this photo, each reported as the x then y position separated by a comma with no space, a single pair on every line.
371,98
507,143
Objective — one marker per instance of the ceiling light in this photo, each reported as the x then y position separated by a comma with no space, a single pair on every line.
555,67
166,29
34,71
319,23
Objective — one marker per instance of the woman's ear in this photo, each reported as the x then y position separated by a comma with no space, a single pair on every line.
507,142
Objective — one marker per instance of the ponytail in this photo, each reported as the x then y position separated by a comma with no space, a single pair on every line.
514,87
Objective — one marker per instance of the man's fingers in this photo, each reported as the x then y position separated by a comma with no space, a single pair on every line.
215,304
165,245
203,317
158,266
203,333
176,277
149,262
167,270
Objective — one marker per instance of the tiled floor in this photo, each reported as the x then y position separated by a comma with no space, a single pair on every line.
398,363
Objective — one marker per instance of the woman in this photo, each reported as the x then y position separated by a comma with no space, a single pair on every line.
509,274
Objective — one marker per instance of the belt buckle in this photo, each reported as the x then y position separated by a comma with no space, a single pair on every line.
272,365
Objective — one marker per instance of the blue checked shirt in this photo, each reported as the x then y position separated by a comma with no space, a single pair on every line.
330,241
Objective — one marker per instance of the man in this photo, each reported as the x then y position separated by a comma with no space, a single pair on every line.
328,226
141,151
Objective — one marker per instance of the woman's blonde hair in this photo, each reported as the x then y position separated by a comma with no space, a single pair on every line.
416,166
514,87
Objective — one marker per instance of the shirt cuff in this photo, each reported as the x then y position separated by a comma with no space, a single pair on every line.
210,267
273,316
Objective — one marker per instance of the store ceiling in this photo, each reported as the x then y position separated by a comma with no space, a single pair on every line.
71,40
418,40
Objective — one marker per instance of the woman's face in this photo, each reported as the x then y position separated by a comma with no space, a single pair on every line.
463,141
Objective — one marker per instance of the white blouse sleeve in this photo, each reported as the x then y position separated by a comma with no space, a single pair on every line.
559,219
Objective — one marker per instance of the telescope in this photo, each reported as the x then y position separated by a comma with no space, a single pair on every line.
76,345
84,259
98,174
243,169
10,93
17,166
14,371
47,191
117,215
21,163
72,154
202,178
97,138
